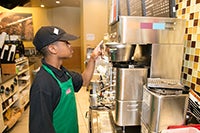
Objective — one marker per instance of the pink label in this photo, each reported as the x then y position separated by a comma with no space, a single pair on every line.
146,25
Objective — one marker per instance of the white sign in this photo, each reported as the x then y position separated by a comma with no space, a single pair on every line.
90,37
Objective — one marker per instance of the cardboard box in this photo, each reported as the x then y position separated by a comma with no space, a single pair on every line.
9,68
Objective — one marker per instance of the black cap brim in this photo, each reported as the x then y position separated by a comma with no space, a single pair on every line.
67,37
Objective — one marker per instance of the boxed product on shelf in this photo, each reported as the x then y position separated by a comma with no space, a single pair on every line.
8,68
11,116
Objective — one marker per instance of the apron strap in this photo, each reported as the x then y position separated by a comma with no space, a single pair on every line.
54,76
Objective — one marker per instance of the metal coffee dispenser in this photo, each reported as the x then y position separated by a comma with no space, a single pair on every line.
138,50
132,63
131,75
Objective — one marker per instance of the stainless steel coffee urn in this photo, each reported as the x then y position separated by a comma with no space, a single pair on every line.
131,75
129,93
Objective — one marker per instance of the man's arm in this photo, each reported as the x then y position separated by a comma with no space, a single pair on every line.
89,70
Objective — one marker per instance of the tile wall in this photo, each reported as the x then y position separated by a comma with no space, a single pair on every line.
190,10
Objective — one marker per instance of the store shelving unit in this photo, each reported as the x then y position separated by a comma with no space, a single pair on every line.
18,97
8,101
22,68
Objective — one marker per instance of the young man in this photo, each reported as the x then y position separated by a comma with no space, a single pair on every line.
52,99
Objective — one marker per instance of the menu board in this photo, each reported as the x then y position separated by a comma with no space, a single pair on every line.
159,8
123,7
130,8
135,8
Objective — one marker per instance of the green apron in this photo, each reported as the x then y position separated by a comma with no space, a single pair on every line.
65,115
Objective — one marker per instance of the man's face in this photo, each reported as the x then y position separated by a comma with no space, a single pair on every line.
64,49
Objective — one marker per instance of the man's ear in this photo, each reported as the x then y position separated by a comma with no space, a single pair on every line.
52,49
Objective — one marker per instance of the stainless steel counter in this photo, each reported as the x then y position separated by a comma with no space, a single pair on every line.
99,121
102,121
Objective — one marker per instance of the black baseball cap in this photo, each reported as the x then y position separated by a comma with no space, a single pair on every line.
50,34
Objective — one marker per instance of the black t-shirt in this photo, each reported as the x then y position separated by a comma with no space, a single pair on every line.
45,95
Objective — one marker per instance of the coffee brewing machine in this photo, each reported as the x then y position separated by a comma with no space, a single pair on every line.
142,49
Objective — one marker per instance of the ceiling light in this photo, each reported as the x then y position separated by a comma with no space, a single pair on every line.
41,5
57,2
